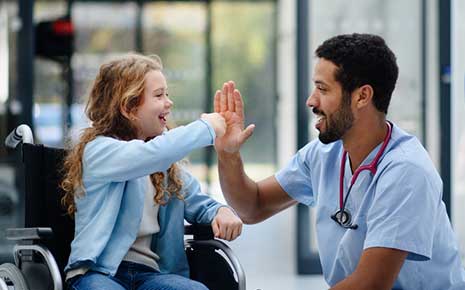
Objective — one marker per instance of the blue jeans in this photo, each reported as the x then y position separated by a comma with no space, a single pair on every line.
133,276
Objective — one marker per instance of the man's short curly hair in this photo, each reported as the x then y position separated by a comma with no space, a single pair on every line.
362,59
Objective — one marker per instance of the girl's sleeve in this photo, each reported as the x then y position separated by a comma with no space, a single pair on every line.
199,208
111,160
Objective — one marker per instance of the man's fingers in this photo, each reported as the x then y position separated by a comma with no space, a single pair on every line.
247,133
231,106
238,104
216,101
223,98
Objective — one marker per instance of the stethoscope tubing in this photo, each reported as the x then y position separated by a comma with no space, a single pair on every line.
372,167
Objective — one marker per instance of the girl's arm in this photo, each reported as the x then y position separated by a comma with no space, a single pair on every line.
108,159
202,209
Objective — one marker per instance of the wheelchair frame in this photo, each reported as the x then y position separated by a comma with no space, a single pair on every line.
29,239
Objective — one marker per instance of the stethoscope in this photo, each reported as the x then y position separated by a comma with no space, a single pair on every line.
342,216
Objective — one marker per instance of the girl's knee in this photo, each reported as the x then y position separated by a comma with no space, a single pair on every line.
198,286
91,281
172,282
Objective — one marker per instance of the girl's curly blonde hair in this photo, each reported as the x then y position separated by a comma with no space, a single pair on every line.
118,86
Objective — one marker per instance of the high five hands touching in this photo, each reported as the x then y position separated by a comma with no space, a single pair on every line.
228,102
216,121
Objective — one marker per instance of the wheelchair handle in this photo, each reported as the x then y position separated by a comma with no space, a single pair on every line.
22,133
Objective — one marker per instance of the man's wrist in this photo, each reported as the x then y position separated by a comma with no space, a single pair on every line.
228,156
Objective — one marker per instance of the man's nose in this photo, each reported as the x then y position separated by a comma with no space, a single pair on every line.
311,100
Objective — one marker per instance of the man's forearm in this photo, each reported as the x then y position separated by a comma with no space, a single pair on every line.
377,270
240,191
358,283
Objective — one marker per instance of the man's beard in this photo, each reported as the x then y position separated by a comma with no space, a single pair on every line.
337,124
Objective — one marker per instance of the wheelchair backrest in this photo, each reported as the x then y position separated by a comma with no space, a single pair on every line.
43,174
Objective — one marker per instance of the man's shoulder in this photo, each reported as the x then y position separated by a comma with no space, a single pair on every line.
406,148
406,154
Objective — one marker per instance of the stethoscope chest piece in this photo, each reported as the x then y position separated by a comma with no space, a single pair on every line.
344,219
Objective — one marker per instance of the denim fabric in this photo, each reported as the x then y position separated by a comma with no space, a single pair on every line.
115,180
133,276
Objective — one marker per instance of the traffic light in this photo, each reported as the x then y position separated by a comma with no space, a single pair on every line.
54,39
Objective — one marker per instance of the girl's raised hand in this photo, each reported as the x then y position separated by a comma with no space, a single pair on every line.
216,121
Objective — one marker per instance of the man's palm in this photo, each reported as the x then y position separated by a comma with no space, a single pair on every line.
229,104
231,140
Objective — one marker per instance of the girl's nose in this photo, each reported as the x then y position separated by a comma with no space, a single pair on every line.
169,102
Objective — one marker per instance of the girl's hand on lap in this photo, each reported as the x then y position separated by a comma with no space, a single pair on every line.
226,225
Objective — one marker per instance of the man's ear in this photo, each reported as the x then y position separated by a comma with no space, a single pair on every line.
363,96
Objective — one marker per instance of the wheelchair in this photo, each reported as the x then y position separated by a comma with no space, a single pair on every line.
42,248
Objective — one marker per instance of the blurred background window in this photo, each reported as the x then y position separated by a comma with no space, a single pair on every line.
458,122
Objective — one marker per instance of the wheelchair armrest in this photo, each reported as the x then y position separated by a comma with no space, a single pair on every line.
22,234
200,232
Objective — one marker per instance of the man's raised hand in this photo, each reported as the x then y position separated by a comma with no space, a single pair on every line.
228,102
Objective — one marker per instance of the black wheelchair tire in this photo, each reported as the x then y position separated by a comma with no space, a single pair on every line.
10,273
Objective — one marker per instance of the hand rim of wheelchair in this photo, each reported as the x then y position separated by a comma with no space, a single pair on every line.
49,260
229,254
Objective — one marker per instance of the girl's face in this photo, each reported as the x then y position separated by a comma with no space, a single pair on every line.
150,116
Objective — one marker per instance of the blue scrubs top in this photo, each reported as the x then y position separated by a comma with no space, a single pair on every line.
399,207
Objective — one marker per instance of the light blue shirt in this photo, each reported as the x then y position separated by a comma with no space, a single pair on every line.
399,207
115,178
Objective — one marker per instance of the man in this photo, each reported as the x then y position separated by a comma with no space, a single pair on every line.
381,223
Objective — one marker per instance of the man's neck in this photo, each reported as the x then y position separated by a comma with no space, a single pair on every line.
362,138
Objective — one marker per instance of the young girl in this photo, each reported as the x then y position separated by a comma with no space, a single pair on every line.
128,196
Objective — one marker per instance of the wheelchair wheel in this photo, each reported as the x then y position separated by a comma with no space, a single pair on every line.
13,277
